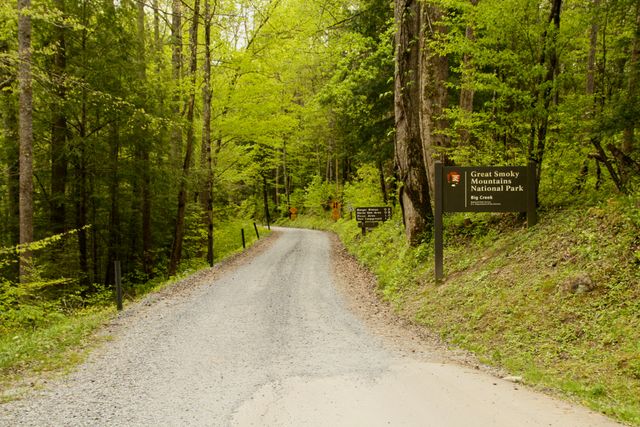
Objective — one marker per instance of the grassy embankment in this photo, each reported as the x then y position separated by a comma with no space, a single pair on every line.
558,304
41,339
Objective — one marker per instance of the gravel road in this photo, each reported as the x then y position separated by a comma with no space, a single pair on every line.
272,341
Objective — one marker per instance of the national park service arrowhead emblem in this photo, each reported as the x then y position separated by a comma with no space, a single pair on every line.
454,178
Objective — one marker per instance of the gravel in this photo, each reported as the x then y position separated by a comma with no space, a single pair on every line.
277,337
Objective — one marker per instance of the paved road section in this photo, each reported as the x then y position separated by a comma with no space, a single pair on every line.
272,343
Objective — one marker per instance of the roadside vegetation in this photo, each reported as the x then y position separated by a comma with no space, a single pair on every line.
557,304
48,325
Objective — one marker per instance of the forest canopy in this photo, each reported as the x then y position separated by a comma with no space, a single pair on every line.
131,129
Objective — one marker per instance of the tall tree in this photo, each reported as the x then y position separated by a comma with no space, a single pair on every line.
25,133
178,236
59,128
632,85
176,68
142,151
207,196
415,196
433,72
544,96
467,91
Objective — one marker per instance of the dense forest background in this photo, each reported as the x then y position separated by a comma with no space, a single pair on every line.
132,130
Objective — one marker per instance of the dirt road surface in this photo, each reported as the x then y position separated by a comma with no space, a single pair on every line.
271,341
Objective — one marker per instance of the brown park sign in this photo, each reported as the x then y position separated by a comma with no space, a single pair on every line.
371,216
482,189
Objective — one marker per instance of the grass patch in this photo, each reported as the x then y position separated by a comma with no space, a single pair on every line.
558,304
27,358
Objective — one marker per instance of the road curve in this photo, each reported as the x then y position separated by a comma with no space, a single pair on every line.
272,343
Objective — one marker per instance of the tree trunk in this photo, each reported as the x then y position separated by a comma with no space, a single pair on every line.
10,228
82,201
207,191
594,138
276,193
59,131
632,89
548,57
285,177
178,235
114,217
95,244
467,92
434,72
383,186
176,70
156,26
81,168
143,155
409,155
265,200
25,134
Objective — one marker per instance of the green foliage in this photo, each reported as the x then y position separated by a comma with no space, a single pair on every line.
39,301
364,190
46,350
228,239
318,196
359,95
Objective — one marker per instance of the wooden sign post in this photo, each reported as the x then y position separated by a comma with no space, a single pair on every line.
481,189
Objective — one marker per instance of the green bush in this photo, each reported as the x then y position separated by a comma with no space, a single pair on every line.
318,196
365,189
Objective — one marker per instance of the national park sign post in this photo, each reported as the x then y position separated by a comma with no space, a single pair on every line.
482,189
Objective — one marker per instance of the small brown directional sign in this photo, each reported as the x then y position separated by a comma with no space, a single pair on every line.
371,216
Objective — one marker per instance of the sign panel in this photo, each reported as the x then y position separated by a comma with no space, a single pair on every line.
484,189
481,189
373,214
335,210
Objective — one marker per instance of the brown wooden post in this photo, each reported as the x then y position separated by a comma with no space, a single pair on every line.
118,280
266,201
438,240
532,193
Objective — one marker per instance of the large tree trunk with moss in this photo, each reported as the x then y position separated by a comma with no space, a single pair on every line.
467,92
433,72
409,155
